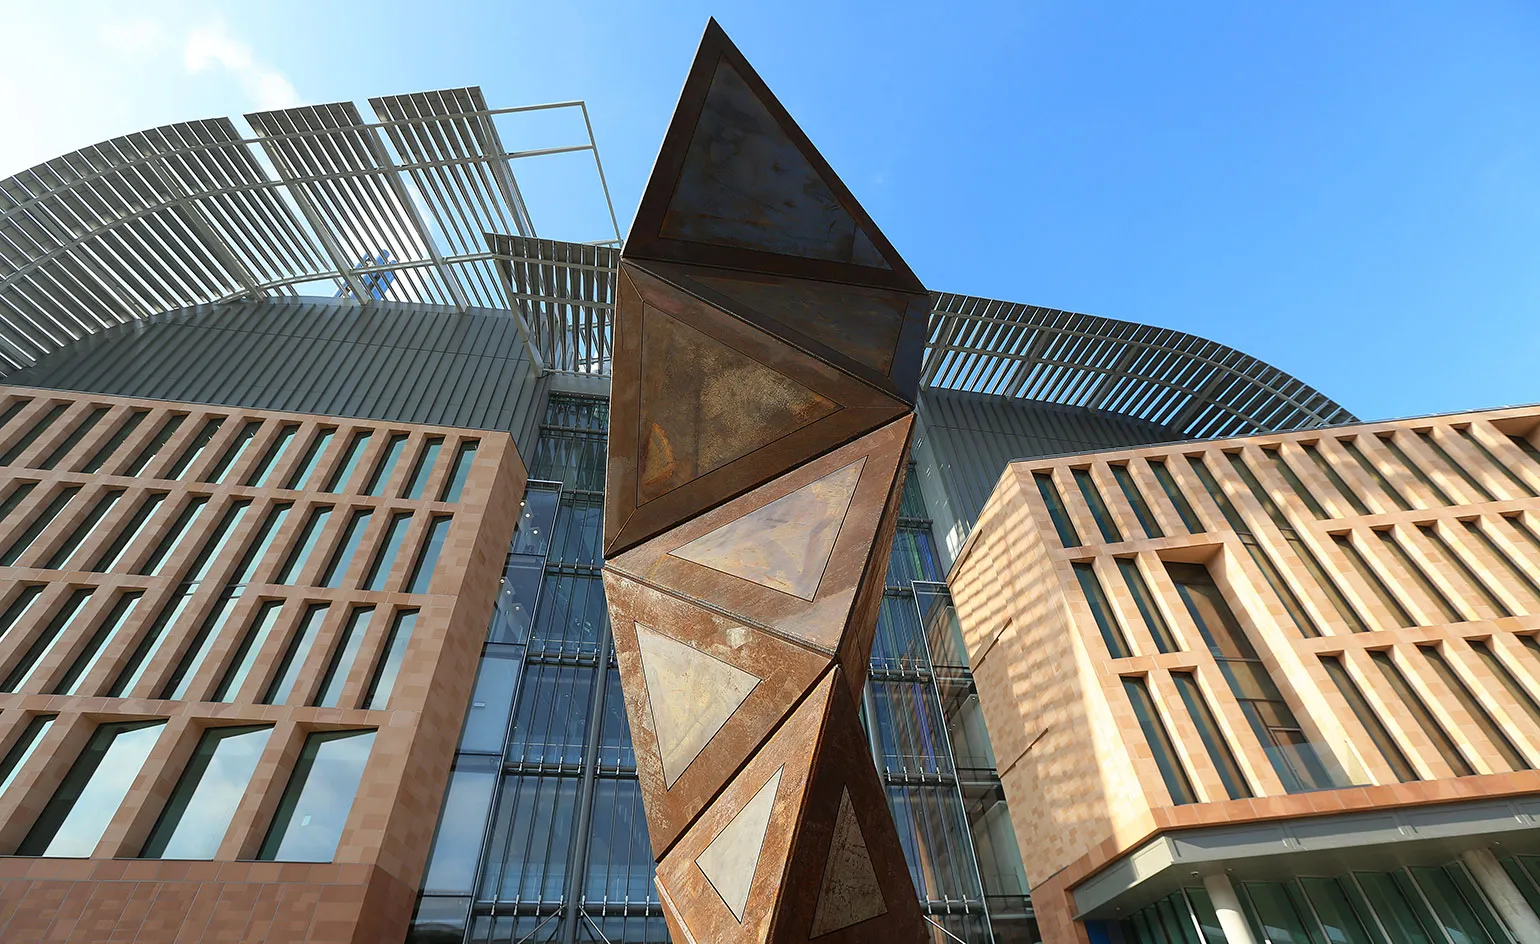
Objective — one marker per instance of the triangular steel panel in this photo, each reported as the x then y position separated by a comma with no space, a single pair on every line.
737,184
684,439
674,798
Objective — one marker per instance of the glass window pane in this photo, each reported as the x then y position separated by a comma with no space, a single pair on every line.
39,524
1145,601
76,435
246,571
460,471
1457,915
1425,719
1093,499
300,479
218,541
343,474
531,834
615,750
91,653
1473,707
199,646
16,496
316,803
537,517
1406,919
149,645
461,826
390,549
114,442
19,606
486,721
16,758
1275,912
174,537
82,807
347,548
620,868
1213,738
1337,481
1338,917
1101,610
1068,536
262,474
344,654
129,532
305,546
384,680
233,452
246,654
423,470
1366,716
427,558
1282,467
38,428
294,657
198,815
383,469
21,676
551,724
1184,509
155,445
194,449
1159,739
84,530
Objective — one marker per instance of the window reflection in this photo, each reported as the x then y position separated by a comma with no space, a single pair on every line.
315,805
195,819
84,804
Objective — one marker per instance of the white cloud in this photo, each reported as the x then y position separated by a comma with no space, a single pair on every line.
212,47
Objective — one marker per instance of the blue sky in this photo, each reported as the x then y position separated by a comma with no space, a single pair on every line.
1350,191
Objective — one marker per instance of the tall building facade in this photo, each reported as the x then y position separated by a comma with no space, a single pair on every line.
1271,688
328,274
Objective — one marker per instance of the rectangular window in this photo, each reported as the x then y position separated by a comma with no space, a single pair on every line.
1519,574
233,452
342,558
1419,710
1388,440
1521,531
79,812
198,815
1366,716
344,473
344,654
1184,509
178,686
390,549
195,448
19,607
55,630
1470,437
1282,467
316,803
129,532
174,537
1370,469
1426,435
1093,499
1101,610
312,458
1230,773
38,526
105,452
1371,577
91,654
12,408
1159,739
155,445
1336,479
1473,707
15,498
30,436
1453,560
263,473
1125,480
246,654
214,547
423,470
149,646
1068,536
1145,601
246,570
384,468
16,758
84,530
300,556
384,680
427,558
1441,601
295,656
1506,677
460,471
76,435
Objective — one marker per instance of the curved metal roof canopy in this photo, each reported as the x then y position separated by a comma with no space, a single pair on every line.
422,205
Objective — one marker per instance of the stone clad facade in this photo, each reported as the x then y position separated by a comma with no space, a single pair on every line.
1382,584
422,514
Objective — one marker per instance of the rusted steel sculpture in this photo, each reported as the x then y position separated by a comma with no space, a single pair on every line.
767,356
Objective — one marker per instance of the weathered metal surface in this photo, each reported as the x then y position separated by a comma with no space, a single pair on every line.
760,423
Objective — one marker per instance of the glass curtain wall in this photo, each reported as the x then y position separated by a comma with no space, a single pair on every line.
543,838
